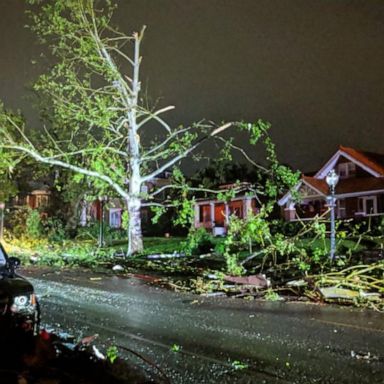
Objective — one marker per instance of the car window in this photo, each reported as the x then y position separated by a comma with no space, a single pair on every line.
2,257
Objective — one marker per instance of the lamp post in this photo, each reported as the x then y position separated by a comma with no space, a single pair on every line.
102,200
332,179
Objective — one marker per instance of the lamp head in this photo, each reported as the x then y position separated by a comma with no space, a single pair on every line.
332,179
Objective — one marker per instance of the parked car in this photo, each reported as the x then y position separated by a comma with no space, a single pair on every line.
19,309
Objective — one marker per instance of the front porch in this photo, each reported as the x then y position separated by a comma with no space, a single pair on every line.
346,207
215,215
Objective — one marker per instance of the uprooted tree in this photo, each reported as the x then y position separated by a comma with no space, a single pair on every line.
92,114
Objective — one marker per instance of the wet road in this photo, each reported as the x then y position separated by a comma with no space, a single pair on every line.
280,343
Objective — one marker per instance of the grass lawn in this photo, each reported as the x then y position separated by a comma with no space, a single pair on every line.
86,252
153,245
340,243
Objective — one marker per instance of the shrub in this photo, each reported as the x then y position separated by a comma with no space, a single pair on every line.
92,232
199,241
286,228
16,220
34,227
55,229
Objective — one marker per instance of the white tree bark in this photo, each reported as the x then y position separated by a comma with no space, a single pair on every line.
135,236
121,138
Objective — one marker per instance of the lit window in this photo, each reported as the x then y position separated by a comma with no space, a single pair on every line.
115,218
346,170
144,189
368,205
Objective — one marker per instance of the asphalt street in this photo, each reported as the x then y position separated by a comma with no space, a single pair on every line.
197,339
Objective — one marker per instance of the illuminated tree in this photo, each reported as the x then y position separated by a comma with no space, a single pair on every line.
94,118
92,111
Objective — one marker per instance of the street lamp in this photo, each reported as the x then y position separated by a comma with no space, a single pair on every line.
332,179
102,200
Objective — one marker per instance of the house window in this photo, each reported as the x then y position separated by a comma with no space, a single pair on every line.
115,218
346,170
236,208
144,189
341,209
41,201
205,213
368,205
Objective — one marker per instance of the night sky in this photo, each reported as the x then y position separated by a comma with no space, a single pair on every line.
314,68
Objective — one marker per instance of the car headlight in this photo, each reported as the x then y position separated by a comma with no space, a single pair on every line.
23,302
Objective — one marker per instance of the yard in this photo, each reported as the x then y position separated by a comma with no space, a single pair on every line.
201,265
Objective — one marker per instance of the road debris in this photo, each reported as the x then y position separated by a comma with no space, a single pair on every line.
364,356
117,268
338,293
259,281
97,353
48,358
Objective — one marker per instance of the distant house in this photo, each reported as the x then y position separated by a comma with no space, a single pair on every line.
359,192
38,197
114,207
214,215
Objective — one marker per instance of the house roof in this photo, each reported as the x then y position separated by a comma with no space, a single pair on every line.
317,184
373,163
241,192
372,160
240,186
347,186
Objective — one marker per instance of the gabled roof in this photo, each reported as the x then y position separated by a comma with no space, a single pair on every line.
320,188
347,186
359,184
242,185
317,184
373,163
242,190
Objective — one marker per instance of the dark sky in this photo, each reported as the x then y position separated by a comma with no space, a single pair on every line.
314,68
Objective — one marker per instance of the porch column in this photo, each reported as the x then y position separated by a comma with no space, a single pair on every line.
226,210
83,214
212,206
290,212
247,207
197,216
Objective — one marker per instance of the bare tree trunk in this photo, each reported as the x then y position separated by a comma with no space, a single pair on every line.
135,237
73,213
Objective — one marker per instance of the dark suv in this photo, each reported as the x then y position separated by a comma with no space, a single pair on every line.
19,309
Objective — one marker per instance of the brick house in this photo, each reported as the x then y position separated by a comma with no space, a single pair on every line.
214,214
114,207
359,192
38,197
